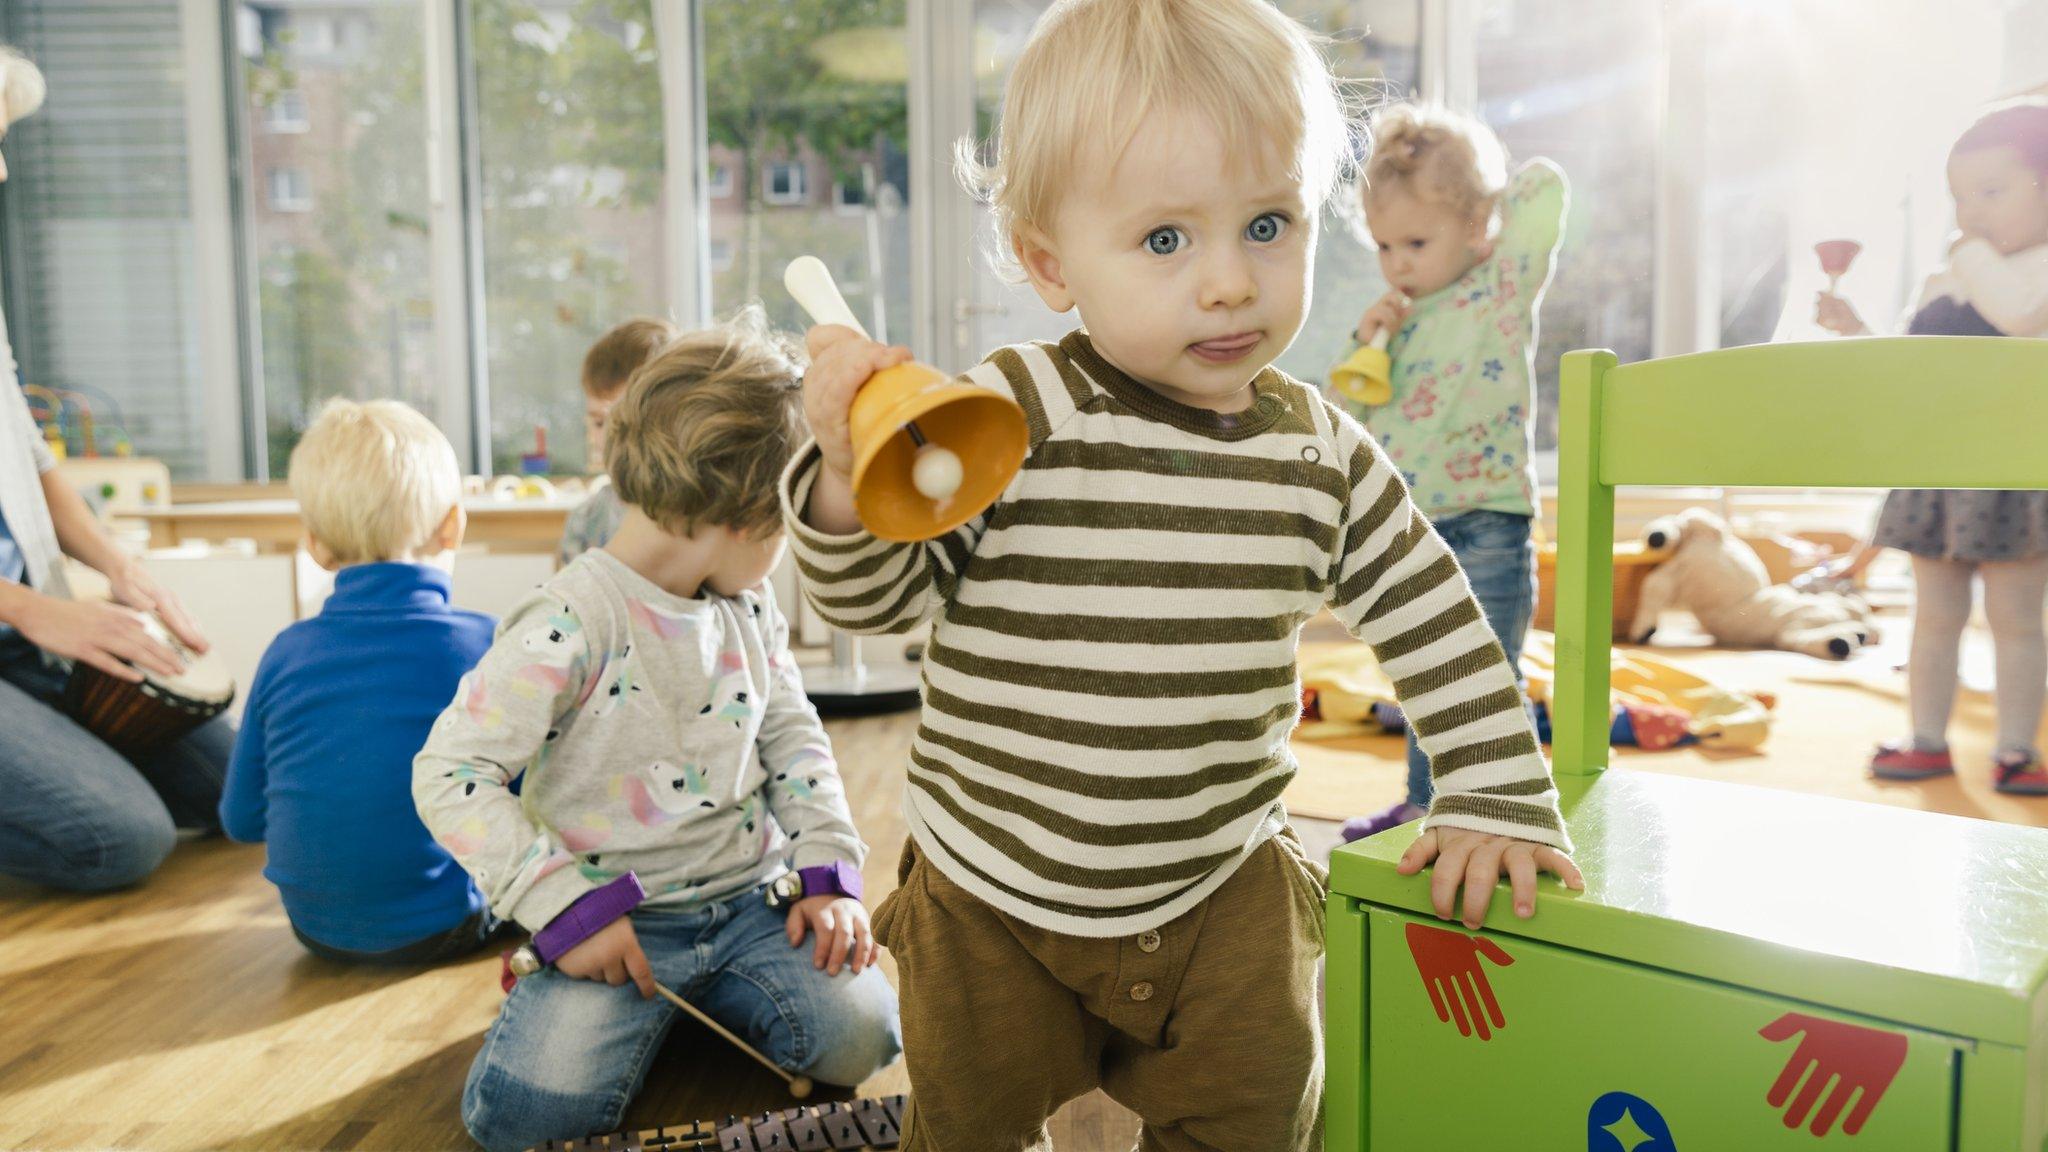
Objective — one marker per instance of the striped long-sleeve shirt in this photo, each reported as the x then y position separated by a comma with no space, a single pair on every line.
1111,679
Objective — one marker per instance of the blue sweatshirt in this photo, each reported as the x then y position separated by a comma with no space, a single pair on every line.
322,768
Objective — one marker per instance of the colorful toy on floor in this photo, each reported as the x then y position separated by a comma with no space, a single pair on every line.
850,1126
1719,579
929,454
1746,968
1657,704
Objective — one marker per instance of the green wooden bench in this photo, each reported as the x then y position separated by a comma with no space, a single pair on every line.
1747,969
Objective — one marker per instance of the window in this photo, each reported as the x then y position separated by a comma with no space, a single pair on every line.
343,301
289,191
1865,160
719,185
1376,48
102,299
786,183
1599,123
573,205
848,198
763,118
286,112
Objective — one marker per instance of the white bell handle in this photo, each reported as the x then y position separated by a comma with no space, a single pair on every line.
810,282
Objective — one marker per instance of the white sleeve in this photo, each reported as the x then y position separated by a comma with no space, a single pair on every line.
2011,292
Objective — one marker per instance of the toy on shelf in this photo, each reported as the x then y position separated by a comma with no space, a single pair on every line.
1367,375
929,454
1835,258
64,414
850,1126
535,463
522,488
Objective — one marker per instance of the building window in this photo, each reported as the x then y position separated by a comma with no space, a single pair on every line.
720,185
286,113
289,190
849,199
786,183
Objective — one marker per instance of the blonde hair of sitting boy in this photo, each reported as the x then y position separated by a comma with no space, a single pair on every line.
705,429
376,481
1093,71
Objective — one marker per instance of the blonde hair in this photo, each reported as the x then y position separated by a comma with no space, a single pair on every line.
1093,70
1439,157
373,480
21,85
707,426
621,351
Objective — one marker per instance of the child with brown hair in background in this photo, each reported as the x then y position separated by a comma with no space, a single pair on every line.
606,367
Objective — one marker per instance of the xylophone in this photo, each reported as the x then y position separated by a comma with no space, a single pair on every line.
848,1126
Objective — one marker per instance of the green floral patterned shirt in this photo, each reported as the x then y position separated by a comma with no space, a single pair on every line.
1459,425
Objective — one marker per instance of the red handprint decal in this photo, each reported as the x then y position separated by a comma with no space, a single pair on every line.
1849,1056
1458,989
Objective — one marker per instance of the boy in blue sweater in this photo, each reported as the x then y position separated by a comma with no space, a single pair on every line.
322,769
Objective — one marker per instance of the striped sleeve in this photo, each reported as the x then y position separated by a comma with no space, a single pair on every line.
865,585
1397,587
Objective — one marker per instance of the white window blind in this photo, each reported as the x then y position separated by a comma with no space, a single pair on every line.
98,239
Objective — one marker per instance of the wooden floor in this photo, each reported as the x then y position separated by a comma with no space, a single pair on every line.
182,1015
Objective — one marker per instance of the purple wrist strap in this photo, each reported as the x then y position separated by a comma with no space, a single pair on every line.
591,912
837,877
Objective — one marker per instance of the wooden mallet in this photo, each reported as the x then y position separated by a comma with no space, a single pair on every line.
799,1086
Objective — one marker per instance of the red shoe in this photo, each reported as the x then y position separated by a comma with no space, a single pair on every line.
2019,773
1901,761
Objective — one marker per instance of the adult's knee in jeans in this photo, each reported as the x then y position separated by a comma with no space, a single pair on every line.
125,853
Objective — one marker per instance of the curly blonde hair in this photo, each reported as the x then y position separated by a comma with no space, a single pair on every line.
705,429
1439,157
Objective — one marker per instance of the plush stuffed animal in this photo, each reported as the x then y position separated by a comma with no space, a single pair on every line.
1719,579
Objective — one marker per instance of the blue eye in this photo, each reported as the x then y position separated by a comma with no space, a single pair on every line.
1164,241
1265,228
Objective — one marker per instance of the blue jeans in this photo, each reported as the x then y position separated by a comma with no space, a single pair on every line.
76,814
1499,559
465,938
566,1056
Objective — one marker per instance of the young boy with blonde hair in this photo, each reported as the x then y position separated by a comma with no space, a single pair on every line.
681,817
607,366
1101,887
321,770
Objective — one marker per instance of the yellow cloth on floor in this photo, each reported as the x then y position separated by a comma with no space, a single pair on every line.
1348,681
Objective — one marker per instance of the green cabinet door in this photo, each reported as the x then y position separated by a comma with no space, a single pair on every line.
1485,1041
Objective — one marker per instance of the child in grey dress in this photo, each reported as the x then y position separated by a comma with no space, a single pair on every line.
1996,284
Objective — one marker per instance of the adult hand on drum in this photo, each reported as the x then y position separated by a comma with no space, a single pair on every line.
108,637
134,586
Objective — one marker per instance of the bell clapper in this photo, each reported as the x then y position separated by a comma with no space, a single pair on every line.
937,472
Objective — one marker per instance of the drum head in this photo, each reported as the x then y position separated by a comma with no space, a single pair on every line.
205,682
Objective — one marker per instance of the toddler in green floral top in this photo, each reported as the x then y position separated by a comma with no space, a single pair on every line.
1467,252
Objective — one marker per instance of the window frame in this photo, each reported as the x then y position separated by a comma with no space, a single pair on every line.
799,193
